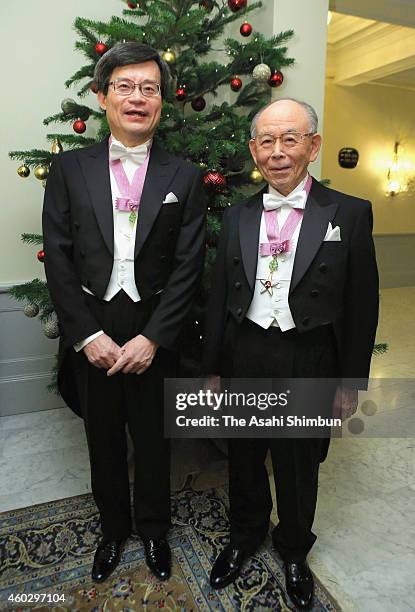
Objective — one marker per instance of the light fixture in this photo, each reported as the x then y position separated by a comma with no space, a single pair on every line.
400,173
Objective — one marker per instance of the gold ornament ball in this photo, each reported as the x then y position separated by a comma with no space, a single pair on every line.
169,56
256,177
23,171
57,147
41,172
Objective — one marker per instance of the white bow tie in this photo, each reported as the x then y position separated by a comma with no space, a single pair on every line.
119,151
272,202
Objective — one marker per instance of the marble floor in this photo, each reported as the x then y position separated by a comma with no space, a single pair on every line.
365,521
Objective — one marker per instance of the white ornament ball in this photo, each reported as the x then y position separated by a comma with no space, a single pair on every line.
31,310
261,72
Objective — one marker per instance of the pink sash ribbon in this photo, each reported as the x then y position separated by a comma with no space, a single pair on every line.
279,241
130,192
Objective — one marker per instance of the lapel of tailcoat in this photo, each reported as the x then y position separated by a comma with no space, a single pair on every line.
319,211
160,171
95,167
249,227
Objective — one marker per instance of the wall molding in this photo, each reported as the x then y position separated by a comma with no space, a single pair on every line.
27,360
24,377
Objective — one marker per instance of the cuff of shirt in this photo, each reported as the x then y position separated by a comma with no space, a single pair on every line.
78,346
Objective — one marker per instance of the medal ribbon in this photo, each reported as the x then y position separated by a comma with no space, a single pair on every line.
130,192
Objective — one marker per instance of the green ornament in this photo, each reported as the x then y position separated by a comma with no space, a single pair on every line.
273,265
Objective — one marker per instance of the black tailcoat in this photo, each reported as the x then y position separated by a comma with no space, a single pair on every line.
79,245
333,283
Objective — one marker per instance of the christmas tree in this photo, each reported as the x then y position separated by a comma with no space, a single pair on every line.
195,124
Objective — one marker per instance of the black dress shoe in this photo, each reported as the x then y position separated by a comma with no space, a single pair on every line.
299,584
158,557
227,567
106,558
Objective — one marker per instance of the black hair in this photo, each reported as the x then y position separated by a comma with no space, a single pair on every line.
124,54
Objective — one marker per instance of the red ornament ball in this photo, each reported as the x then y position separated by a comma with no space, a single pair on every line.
276,79
101,48
93,87
236,84
237,5
79,126
181,94
41,256
215,181
199,104
132,5
246,29
206,4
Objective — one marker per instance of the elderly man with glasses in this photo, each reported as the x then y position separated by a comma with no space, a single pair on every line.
294,296
123,225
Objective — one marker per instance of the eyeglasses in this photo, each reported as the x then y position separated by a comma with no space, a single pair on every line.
288,140
125,87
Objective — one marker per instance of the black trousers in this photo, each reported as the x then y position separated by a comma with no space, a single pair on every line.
109,404
260,353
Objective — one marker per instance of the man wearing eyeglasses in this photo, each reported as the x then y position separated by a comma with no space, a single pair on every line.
123,226
294,295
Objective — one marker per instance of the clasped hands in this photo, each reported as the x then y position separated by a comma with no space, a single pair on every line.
134,357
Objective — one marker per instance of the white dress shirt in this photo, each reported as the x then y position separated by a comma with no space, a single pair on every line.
122,276
273,310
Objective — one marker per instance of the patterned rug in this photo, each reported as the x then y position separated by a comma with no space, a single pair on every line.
46,554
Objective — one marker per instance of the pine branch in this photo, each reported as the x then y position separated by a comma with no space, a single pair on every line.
213,225
104,130
116,29
71,140
32,238
52,387
32,158
85,89
34,292
74,111
380,349
245,56
82,73
81,26
253,95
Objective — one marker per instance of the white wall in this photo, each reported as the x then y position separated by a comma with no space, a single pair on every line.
38,44
306,79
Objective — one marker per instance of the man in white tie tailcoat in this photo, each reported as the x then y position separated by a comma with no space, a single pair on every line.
123,225
294,295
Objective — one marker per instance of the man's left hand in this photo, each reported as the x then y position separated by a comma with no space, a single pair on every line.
136,356
345,402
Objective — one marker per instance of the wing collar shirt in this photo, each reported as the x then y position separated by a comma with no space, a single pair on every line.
273,310
122,276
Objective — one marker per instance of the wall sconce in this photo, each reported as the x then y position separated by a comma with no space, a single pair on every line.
400,174
348,157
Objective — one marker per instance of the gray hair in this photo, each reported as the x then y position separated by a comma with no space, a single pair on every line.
311,113
124,54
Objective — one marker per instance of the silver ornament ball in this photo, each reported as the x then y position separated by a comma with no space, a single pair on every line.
50,329
261,72
31,310
68,105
